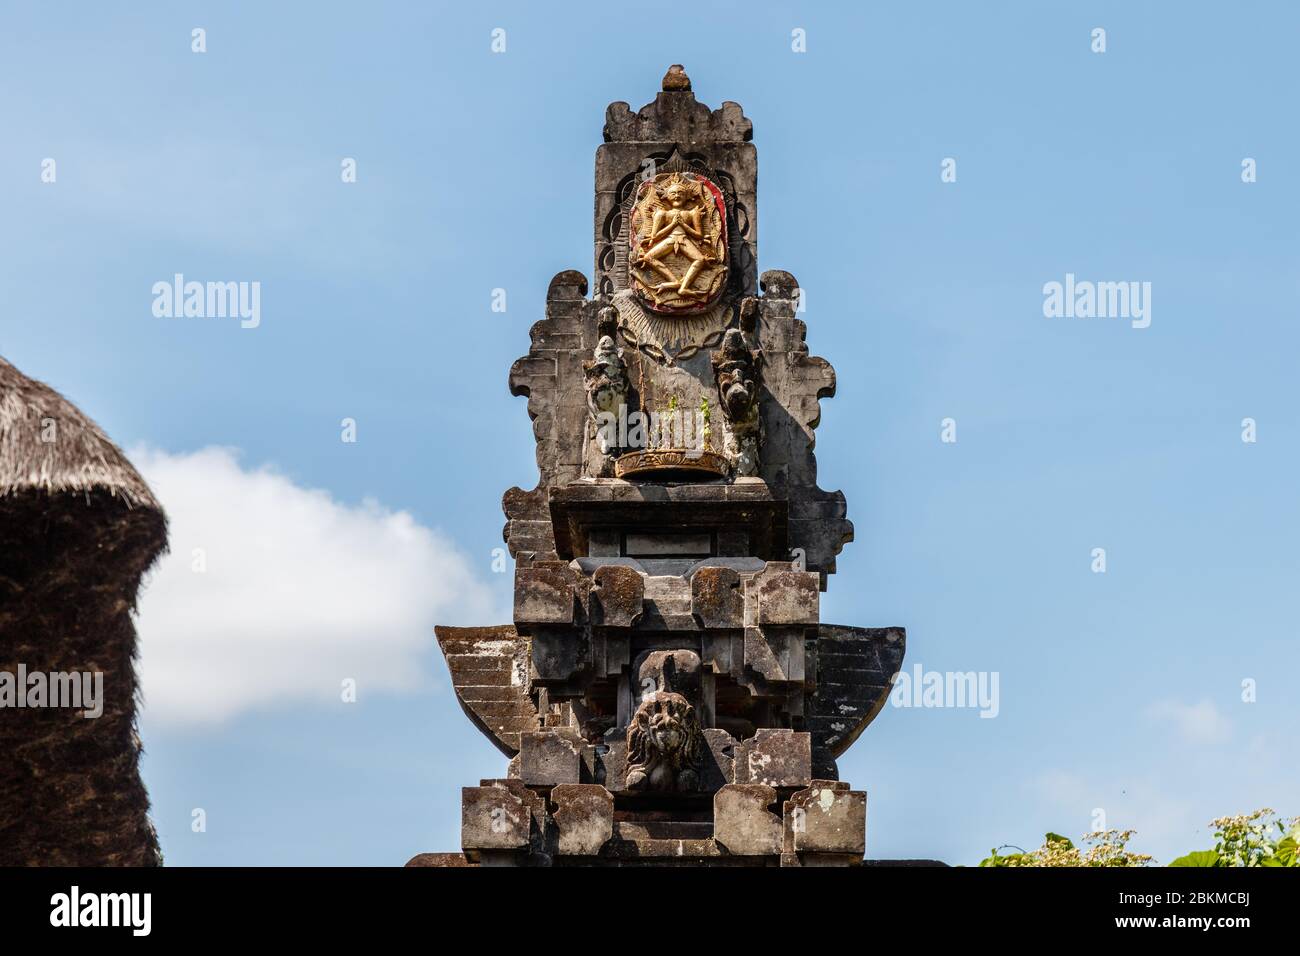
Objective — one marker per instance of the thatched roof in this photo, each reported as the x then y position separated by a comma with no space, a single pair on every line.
78,529
79,458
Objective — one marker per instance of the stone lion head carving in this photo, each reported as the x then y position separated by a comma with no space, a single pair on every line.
664,744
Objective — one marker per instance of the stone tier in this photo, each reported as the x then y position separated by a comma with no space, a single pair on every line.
505,823
748,517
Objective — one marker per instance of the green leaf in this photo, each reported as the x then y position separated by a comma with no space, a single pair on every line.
1285,852
1057,838
1198,858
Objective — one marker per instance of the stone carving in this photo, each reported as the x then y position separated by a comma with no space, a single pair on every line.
671,463
676,80
607,322
665,648
605,378
678,255
676,671
669,338
736,369
664,745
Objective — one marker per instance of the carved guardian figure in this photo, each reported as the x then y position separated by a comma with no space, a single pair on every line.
736,369
664,745
605,379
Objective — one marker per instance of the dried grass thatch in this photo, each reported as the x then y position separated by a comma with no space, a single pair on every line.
79,458
78,529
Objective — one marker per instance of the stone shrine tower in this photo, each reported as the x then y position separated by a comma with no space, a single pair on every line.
667,693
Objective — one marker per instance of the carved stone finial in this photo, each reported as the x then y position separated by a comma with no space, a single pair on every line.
665,746
676,80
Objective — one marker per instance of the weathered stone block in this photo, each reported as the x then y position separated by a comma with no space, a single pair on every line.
668,603
719,767
543,595
584,816
550,757
776,653
532,801
617,596
603,543
610,653
569,284
612,761
724,653
775,757
492,818
717,600
786,597
557,654
827,817
742,822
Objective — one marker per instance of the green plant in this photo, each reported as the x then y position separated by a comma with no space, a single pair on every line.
1253,839
1103,848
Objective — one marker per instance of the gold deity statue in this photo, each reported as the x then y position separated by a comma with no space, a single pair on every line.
678,255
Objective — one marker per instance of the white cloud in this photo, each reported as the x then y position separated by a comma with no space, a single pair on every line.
1199,723
299,593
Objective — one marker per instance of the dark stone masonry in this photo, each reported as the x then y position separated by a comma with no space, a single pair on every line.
667,693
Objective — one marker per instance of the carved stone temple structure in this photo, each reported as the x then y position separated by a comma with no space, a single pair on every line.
667,693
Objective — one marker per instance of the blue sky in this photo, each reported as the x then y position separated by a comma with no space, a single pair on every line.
1120,691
